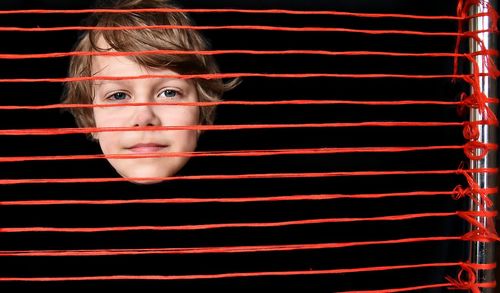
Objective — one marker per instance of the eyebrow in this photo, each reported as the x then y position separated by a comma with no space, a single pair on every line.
100,83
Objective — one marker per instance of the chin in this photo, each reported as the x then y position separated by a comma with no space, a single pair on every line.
145,182
147,173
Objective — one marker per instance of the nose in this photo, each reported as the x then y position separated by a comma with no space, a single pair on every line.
145,116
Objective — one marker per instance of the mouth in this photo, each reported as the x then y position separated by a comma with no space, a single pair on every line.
147,148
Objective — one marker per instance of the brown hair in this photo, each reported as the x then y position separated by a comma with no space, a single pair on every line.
81,92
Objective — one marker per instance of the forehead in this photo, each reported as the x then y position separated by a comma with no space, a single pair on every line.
112,65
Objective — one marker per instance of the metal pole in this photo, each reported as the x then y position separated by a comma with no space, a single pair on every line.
483,252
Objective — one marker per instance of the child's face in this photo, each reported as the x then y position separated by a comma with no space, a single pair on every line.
137,142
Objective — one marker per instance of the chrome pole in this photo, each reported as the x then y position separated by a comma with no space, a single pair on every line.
483,252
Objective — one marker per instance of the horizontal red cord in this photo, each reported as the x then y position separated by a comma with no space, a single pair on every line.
243,153
406,289
422,287
225,10
246,176
220,52
235,75
222,249
225,225
246,103
231,27
228,275
225,199
64,131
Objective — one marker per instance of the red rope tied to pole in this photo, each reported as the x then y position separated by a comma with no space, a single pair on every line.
473,150
462,13
470,131
474,188
481,233
459,192
478,99
469,281
476,150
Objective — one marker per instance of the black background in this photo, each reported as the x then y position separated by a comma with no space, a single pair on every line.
251,89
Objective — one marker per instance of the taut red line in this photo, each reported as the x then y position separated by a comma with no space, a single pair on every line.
225,10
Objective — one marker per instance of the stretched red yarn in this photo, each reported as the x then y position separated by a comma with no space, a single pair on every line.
456,194
246,103
231,27
474,150
225,249
64,131
421,287
218,10
220,52
230,275
233,75
249,153
248,176
226,225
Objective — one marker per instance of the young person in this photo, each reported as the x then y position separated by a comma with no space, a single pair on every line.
126,93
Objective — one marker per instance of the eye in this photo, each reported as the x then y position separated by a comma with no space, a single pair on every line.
169,94
118,96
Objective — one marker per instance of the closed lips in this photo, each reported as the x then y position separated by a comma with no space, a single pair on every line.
147,147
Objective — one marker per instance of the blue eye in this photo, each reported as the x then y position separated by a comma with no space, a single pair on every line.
169,93
118,96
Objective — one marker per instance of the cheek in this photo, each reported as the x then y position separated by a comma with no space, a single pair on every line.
110,117
184,140
109,142
179,115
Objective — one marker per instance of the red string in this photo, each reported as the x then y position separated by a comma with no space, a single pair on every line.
229,275
229,27
460,192
229,199
249,153
480,234
422,287
479,231
259,11
470,131
219,52
469,282
64,131
470,101
223,249
479,99
465,284
246,176
475,150
461,14
474,188
225,225
233,75
247,103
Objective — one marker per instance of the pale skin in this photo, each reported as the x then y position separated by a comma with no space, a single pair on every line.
160,90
